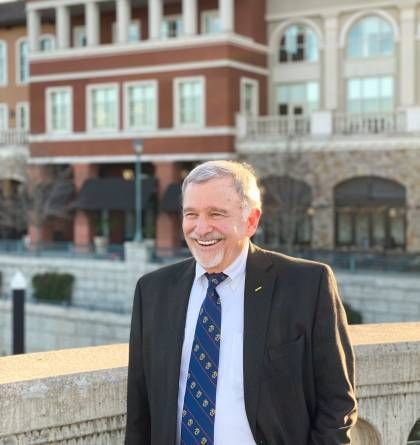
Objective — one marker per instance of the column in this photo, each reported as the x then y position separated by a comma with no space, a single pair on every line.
92,23
189,17
227,15
123,20
34,28
62,30
408,56
168,225
155,19
330,71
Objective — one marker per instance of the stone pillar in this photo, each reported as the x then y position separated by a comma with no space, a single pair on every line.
34,29
408,56
92,23
227,15
323,227
155,19
330,63
168,225
123,20
83,230
189,17
62,32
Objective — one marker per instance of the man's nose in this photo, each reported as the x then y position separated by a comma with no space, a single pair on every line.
202,226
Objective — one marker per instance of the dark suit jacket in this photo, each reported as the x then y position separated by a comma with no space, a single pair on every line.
298,361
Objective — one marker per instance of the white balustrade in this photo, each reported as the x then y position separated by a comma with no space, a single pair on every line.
13,137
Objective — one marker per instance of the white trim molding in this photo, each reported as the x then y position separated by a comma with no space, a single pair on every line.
89,115
48,105
118,135
22,106
365,13
3,44
126,104
177,81
121,159
151,69
256,105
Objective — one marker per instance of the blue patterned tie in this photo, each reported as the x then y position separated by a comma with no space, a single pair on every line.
199,408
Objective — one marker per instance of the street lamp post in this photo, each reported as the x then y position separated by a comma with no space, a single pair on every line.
138,150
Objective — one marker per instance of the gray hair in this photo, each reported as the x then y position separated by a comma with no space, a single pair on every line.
242,174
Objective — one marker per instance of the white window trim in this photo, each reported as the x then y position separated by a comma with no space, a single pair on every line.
17,61
18,125
6,64
114,30
204,15
47,35
76,31
127,85
176,105
171,17
254,83
48,93
89,115
5,107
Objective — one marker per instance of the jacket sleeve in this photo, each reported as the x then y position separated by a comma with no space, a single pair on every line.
138,414
336,406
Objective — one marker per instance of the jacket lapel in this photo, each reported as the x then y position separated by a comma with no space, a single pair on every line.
259,286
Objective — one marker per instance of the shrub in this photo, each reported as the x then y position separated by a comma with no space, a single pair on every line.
353,316
57,287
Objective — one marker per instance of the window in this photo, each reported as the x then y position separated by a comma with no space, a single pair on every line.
141,105
22,116
79,36
3,63
370,37
370,94
297,98
249,97
46,43
4,117
210,22
189,102
134,31
103,106
171,26
22,61
299,43
59,110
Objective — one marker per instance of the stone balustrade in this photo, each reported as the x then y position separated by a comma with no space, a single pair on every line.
77,396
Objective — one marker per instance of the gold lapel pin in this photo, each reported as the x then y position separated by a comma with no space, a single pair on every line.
258,288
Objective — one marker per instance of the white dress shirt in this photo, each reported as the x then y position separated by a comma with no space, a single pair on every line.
231,424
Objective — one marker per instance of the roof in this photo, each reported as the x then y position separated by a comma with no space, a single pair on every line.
12,13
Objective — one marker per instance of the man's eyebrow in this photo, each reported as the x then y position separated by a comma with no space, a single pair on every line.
211,209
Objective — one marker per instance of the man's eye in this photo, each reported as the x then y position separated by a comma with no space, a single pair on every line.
217,214
189,215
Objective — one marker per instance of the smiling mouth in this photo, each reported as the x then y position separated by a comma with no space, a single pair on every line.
207,243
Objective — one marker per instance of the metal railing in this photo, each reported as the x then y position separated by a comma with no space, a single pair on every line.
13,137
275,126
369,123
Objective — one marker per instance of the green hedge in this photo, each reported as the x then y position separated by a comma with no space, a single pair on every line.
353,316
57,287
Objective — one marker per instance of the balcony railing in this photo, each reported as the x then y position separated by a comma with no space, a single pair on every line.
13,137
369,123
273,126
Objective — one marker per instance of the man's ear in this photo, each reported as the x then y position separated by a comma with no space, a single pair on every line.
252,221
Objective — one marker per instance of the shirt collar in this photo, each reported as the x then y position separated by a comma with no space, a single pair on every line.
233,271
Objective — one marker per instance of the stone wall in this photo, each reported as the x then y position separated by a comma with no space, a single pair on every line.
80,395
49,327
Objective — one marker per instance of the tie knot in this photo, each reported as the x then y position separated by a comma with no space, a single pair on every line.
215,279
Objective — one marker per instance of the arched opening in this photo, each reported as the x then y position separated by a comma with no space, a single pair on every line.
414,437
364,433
370,214
287,213
298,43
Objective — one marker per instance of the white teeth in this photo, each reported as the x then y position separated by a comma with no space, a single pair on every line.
207,243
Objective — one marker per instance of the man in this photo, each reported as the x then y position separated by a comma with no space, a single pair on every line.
238,346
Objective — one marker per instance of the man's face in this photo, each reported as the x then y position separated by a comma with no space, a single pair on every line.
214,224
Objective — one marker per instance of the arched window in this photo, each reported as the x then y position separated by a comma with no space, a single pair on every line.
287,217
371,36
299,43
370,214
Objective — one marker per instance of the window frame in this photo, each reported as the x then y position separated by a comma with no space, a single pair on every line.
132,22
47,36
171,17
48,93
17,60
3,44
76,32
177,82
89,111
155,84
5,106
254,82
22,105
304,59
204,15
